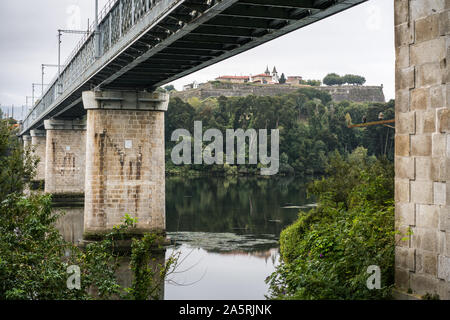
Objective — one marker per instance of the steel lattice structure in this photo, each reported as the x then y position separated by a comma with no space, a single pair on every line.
144,44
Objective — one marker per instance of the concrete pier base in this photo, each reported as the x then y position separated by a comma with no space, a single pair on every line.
65,156
125,167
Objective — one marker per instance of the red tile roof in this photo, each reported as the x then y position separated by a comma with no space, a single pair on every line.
234,77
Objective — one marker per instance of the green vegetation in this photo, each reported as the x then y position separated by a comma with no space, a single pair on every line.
313,83
34,258
333,79
311,125
326,252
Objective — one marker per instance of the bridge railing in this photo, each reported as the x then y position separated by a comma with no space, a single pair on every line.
115,19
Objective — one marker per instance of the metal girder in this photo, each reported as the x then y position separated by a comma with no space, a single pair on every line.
303,4
183,52
201,45
251,11
246,23
215,39
168,39
227,31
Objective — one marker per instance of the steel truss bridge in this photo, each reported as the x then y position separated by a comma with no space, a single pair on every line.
143,44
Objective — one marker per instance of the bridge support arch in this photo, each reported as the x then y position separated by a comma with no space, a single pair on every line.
125,165
422,146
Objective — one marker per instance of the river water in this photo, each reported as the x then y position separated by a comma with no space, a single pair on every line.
226,231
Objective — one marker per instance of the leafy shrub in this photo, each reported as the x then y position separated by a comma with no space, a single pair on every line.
326,252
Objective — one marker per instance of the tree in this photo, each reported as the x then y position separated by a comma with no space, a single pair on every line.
332,79
353,79
33,261
282,79
326,253
170,87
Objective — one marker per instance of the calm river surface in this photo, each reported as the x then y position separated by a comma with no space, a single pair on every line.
227,231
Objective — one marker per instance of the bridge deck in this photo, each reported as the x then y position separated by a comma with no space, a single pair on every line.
144,44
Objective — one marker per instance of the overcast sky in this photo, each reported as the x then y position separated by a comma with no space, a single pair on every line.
358,41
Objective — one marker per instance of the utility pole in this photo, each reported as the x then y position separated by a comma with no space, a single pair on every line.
43,73
60,32
33,86
97,32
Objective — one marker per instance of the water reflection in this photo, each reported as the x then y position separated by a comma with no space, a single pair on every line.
225,229
227,232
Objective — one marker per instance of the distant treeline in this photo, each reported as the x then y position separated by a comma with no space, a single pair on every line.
311,125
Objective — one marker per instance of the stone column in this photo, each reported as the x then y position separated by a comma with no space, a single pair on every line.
26,141
65,156
125,167
422,146
38,141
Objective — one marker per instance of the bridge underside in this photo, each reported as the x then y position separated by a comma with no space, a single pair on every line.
192,36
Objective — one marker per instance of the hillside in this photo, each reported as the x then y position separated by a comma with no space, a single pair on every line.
338,93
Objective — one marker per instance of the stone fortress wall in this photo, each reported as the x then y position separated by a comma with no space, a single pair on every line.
338,93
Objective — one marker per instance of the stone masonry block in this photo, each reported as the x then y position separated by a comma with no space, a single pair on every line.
405,213
402,98
402,145
402,190
439,170
421,145
406,122
427,216
424,8
428,74
401,11
422,192
438,144
428,51
444,220
422,284
423,168
402,59
426,263
425,239
427,28
425,121
437,97
404,34
404,168
440,192
402,278
405,78
443,120
405,258
444,23
420,99
444,268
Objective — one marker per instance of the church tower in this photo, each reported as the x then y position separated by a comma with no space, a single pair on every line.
275,77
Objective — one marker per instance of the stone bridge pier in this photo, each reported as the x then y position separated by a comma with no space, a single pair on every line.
422,146
38,141
65,156
125,165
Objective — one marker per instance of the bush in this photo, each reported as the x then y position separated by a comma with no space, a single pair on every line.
326,252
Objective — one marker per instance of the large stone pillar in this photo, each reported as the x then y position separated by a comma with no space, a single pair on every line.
65,156
26,141
422,146
125,168
38,141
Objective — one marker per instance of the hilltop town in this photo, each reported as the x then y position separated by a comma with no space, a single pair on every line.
272,83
